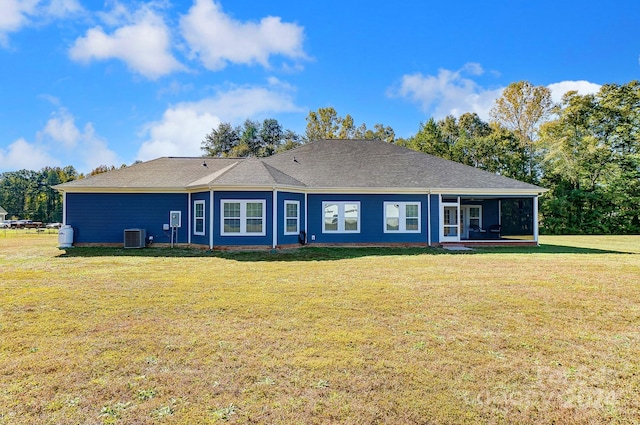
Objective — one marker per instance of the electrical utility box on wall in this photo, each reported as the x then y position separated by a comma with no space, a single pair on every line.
175,218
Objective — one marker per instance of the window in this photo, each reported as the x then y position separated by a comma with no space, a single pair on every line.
291,217
475,217
402,217
341,217
243,218
198,218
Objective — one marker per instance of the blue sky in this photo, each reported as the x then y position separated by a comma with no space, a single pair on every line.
87,83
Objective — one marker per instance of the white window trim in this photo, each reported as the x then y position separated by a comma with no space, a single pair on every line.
402,223
196,218
341,217
297,204
243,217
468,217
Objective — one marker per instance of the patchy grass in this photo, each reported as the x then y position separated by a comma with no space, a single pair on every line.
527,335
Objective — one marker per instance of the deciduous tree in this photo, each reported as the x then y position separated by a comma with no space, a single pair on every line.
521,109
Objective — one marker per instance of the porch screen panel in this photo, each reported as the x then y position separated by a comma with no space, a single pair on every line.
450,221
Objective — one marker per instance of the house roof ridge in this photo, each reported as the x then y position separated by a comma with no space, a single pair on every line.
271,168
210,178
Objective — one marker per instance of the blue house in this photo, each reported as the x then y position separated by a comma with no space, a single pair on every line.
326,193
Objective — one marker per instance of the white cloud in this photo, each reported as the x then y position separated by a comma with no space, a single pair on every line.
183,127
61,135
218,39
93,150
62,128
59,143
17,14
144,44
449,92
21,155
62,8
179,133
582,87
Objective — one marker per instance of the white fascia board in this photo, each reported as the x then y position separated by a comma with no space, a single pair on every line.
123,190
489,192
367,190
452,191
346,190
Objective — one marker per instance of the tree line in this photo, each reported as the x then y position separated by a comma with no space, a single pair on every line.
30,194
585,150
264,139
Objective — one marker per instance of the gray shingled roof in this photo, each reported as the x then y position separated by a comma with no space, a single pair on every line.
161,173
327,164
375,164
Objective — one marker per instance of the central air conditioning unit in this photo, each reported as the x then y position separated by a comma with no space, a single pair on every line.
135,238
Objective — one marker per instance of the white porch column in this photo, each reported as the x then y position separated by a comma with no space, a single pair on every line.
429,218
64,207
535,218
306,219
211,219
189,220
274,220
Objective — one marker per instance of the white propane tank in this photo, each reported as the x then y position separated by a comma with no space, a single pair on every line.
65,236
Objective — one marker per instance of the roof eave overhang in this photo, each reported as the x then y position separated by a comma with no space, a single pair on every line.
475,191
88,189
422,190
259,188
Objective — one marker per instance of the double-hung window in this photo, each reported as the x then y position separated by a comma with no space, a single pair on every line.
291,217
341,217
198,218
402,217
243,217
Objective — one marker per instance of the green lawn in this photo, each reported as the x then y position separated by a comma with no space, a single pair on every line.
356,336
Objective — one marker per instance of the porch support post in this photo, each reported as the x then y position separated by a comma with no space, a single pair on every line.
459,224
274,225
189,220
440,219
64,207
429,218
211,219
306,219
535,218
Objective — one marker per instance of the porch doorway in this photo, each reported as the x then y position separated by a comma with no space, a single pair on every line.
470,218
450,230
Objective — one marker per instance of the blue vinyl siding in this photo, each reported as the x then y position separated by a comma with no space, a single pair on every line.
102,217
201,239
219,240
371,219
289,196
435,218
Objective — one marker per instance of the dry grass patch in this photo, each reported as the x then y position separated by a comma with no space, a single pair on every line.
320,336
